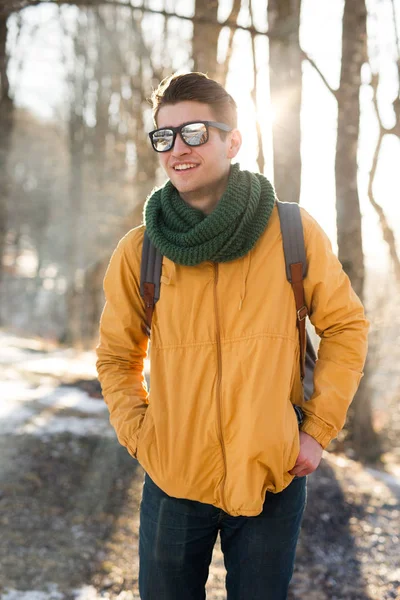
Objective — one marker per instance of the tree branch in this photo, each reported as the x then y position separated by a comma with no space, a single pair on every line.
387,231
18,5
313,64
396,30
232,20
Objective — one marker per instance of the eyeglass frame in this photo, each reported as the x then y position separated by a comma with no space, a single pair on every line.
176,130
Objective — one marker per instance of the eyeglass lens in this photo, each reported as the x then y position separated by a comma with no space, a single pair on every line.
193,134
163,139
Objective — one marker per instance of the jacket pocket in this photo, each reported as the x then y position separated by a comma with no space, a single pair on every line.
145,434
293,437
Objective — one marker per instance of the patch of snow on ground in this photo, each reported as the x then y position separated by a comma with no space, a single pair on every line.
87,592
16,391
37,356
10,355
69,397
42,409
52,594
377,477
44,426
13,416
46,417
62,363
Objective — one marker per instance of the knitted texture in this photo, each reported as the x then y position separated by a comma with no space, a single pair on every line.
187,236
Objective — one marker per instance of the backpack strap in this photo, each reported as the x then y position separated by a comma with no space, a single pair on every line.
150,278
296,267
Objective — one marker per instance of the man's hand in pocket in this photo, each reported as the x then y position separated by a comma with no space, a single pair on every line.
309,456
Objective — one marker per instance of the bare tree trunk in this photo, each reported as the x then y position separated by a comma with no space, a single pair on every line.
73,322
76,130
365,440
354,55
205,38
6,122
286,86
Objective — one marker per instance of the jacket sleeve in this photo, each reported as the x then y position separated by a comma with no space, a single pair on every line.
338,317
123,345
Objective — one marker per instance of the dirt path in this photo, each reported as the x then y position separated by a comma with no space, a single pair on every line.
69,502
69,522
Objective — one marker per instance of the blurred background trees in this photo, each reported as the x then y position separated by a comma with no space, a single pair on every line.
317,84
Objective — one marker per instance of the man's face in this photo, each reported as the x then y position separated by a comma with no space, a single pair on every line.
197,171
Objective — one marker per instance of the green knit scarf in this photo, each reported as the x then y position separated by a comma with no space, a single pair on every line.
187,236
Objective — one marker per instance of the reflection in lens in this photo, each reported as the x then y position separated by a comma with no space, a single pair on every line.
162,139
195,134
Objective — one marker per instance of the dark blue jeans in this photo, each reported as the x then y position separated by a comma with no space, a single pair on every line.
177,539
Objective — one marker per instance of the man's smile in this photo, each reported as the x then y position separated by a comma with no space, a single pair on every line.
184,166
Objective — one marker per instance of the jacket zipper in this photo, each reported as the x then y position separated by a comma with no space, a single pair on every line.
219,381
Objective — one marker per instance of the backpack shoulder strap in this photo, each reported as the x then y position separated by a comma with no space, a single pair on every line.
296,266
292,236
150,279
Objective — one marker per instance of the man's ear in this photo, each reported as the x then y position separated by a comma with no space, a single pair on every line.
235,141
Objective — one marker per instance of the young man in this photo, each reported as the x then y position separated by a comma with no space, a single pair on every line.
218,436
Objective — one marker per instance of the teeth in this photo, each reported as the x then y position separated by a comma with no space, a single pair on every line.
183,167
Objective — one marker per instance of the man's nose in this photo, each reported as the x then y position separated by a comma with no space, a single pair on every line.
180,147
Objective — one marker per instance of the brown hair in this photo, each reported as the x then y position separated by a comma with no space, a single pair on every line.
199,88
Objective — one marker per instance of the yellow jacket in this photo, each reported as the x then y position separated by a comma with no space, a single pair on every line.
218,425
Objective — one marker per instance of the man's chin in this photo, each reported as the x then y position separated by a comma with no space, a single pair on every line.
182,187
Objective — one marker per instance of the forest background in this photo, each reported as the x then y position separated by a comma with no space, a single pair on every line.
317,84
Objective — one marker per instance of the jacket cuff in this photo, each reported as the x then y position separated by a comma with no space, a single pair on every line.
318,430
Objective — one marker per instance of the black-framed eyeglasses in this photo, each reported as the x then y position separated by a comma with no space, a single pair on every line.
194,133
